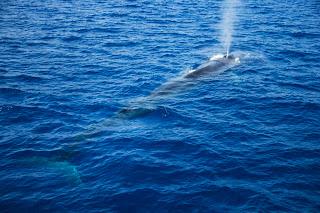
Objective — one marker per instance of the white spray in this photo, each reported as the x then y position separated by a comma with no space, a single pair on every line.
228,19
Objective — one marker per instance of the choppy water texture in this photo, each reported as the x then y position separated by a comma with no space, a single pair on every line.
244,140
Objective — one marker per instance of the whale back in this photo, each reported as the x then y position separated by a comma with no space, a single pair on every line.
215,64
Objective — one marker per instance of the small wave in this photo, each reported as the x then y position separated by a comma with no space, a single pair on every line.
16,114
71,38
11,91
27,153
120,44
29,78
304,35
292,53
108,30
46,127
36,44
299,86
301,105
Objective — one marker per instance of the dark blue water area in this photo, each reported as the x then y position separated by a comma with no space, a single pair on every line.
80,131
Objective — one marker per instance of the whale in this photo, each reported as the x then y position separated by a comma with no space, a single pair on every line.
145,105
136,109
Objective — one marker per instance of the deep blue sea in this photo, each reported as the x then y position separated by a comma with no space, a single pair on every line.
78,135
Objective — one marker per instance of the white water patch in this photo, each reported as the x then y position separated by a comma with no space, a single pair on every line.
229,11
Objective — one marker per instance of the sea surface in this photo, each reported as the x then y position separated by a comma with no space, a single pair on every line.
77,134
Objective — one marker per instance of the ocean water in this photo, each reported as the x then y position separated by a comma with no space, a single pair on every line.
246,140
